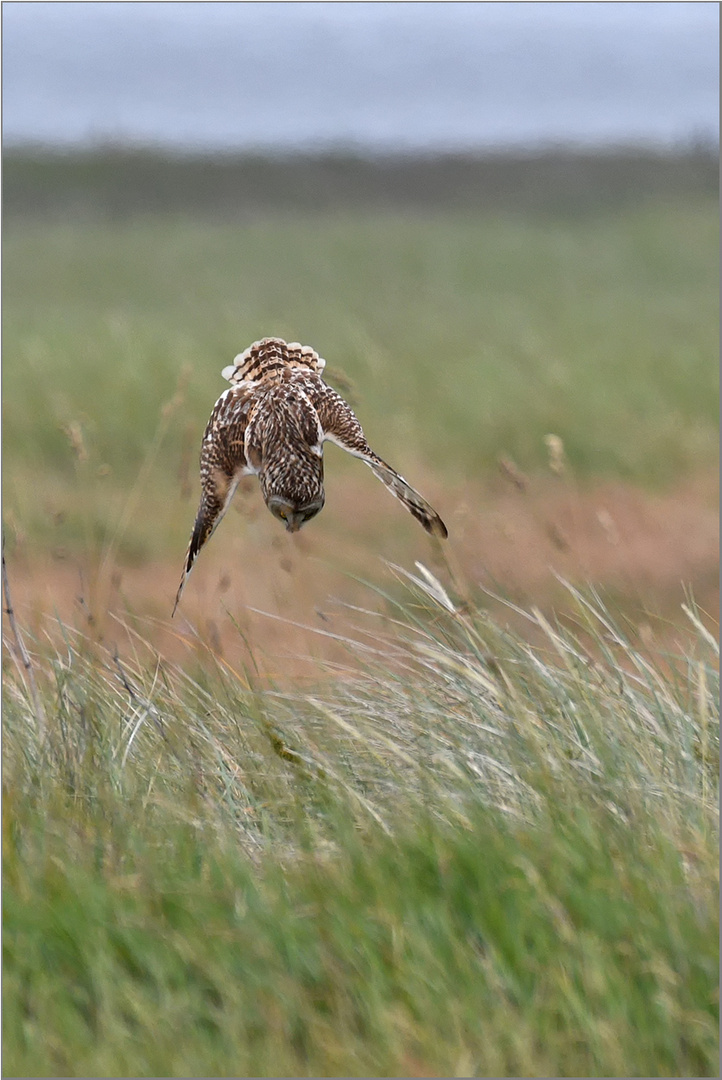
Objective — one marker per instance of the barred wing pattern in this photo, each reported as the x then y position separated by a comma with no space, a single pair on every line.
223,463
341,426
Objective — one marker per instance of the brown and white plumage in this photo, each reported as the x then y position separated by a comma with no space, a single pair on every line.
273,421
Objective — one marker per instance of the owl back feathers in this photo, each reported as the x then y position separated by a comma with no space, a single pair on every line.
272,360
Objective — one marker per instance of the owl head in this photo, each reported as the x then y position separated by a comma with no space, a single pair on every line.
292,488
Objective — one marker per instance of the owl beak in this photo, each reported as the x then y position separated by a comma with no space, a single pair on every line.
292,518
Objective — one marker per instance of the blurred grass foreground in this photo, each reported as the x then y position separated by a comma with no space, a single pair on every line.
444,832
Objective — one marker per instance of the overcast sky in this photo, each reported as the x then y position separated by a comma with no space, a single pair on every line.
380,76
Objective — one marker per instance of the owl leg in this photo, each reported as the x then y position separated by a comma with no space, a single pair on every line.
215,500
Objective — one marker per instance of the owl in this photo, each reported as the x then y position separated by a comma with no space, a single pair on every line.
273,422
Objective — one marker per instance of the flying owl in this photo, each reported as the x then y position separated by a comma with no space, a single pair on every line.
273,422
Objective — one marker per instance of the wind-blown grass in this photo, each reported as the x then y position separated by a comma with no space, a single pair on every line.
466,855
462,853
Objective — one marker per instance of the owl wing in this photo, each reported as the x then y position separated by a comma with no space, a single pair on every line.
223,463
340,426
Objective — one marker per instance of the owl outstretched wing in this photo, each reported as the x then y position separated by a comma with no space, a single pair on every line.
340,426
223,463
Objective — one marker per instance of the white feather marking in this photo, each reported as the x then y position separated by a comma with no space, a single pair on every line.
224,396
238,361
328,437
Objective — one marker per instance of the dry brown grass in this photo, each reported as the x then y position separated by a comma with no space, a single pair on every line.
513,535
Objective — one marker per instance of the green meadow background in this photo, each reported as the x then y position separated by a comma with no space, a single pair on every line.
471,320
461,854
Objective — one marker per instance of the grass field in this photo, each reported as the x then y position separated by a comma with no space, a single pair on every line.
464,339
469,858
408,840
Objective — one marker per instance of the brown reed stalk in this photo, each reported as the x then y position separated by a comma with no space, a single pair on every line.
22,652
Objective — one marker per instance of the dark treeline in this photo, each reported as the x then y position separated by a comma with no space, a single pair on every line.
117,183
